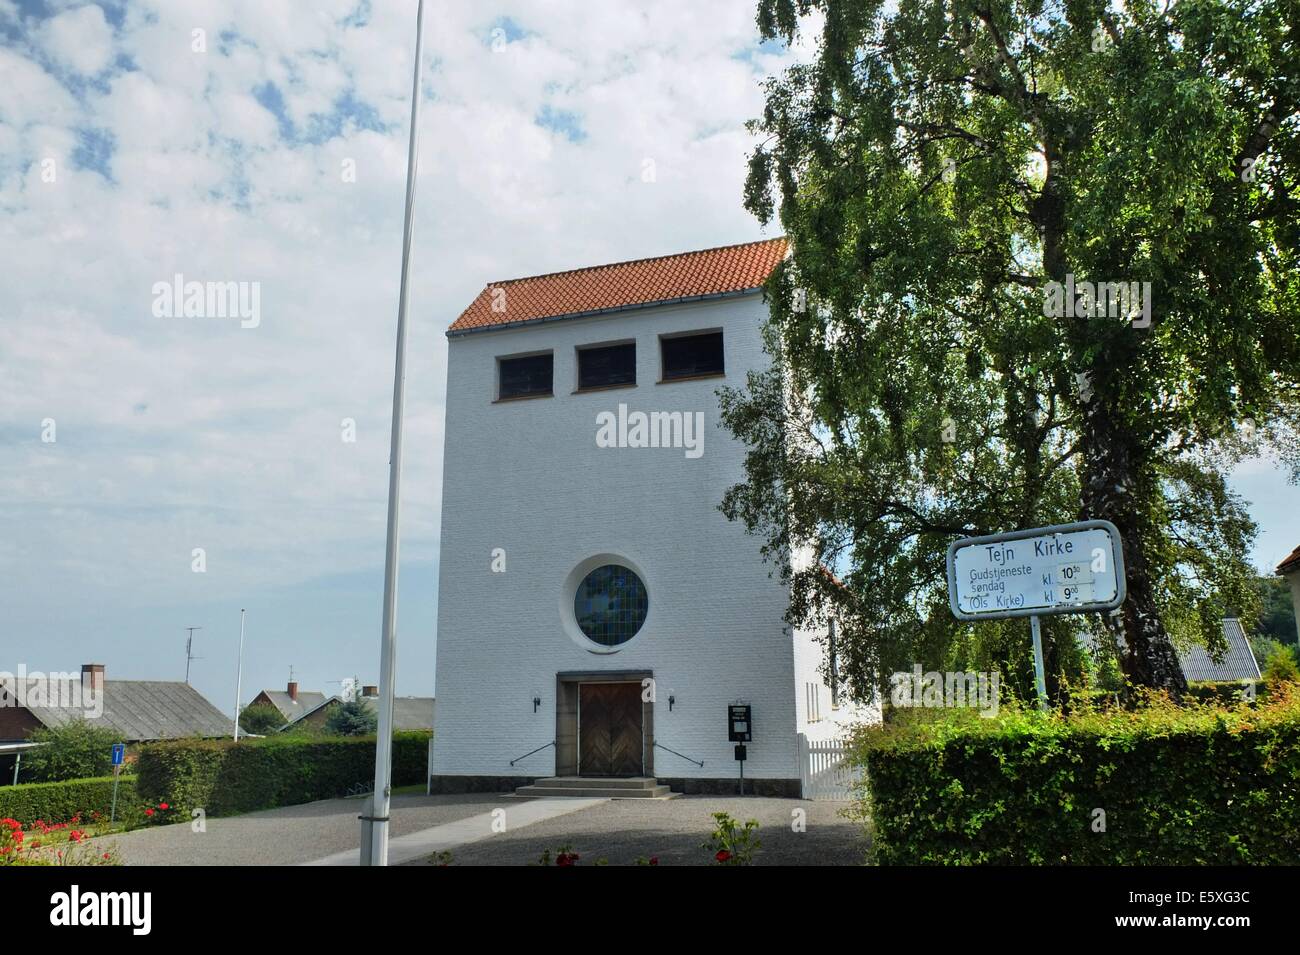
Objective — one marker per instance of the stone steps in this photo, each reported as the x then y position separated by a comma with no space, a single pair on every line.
638,787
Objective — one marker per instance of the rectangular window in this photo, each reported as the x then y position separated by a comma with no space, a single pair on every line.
834,667
607,366
525,377
691,356
812,701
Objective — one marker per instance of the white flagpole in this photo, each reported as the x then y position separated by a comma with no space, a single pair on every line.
239,674
387,658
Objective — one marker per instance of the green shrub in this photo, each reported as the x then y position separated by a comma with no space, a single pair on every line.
352,718
260,719
59,802
223,777
1281,667
75,750
1192,785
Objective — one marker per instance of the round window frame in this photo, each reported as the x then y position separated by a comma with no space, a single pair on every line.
569,592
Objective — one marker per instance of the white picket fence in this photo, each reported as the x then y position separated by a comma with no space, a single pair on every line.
824,770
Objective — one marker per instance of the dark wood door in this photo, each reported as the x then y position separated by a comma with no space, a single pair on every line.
609,729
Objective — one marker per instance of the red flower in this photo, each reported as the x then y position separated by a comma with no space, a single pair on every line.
163,805
148,812
105,855
654,860
566,858
76,835
723,855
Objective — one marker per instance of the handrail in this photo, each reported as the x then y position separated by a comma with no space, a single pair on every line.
519,759
659,745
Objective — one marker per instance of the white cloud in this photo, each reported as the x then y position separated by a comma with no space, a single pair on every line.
179,433
80,40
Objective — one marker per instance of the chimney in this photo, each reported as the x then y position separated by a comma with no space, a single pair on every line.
369,692
293,690
92,677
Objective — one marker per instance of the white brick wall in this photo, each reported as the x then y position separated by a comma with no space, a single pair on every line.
528,477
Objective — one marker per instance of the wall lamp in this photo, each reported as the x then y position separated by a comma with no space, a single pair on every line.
671,701
537,701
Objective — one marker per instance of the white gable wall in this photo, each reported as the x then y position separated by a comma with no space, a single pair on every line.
528,477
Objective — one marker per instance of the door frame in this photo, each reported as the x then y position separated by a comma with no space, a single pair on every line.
566,716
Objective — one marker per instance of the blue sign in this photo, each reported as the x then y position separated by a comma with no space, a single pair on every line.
119,753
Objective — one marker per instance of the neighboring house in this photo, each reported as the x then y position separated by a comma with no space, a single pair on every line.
597,614
292,703
1289,570
1238,663
137,710
409,712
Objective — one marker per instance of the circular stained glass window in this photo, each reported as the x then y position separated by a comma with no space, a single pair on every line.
610,605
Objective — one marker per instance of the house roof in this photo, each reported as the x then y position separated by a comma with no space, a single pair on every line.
307,701
1238,661
686,276
145,710
1290,563
409,712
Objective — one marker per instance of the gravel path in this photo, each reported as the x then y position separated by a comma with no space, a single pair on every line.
622,830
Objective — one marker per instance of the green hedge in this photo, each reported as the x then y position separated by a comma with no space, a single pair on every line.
1178,786
224,777
59,802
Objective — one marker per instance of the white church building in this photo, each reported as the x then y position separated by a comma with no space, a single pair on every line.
598,616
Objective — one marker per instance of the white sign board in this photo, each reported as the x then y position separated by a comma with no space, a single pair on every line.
1068,568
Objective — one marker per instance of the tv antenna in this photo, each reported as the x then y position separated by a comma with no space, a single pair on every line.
189,652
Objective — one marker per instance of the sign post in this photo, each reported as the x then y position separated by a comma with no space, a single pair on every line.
119,754
1065,568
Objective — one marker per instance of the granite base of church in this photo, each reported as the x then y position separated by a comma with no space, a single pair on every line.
456,785
774,788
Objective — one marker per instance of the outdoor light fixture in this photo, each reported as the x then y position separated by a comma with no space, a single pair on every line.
671,701
537,701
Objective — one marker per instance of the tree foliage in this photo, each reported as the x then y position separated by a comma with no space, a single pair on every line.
259,719
936,168
351,718
76,750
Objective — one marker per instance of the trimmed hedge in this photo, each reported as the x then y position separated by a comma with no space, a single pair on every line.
1187,785
59,802
223,777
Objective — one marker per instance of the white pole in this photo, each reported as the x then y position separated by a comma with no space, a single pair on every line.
239,674
387,658
1040,683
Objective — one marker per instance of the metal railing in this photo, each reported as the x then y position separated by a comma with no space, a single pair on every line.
659,745
519,759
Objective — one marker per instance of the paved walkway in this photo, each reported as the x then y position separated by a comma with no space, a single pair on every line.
419,846
291,835
793,832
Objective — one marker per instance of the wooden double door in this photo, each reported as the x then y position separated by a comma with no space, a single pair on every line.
611,732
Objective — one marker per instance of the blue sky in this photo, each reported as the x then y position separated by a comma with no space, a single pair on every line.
265,143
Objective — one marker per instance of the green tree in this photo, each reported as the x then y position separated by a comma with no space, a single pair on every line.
937,168
258,719
1277,616
352,718
76,750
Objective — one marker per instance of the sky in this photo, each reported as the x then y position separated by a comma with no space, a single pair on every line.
265,144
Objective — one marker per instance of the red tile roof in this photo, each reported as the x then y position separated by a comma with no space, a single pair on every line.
1291,563
687,275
